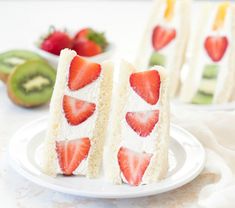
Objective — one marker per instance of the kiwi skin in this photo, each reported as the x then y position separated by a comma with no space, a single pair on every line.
12,95
3,77
15,100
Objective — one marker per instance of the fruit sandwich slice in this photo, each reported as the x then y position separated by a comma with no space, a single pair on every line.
79,112
136,150
210,55
165,38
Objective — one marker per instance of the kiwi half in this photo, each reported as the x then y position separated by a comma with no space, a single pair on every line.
10,59
31,84
157,59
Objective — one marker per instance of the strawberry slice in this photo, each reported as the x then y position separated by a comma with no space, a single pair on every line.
147,85
82,73
216,46
142,122
71,153
162,36
133,164
76,111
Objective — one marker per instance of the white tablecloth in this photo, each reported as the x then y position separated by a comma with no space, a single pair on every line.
22,23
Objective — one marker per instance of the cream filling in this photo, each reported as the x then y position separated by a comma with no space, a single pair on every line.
80,170
130,138
89,93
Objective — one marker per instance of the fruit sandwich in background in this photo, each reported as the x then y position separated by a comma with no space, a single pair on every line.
136,150
209,74
79,112
165,39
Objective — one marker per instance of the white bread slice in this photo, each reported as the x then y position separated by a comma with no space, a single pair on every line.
50,156
176,56
158,165
54,127
104,106
193,73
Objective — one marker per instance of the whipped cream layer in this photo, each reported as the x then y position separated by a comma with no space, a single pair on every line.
89,93
131,139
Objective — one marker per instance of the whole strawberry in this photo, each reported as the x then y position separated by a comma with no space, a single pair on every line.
56,41
82,34
88,42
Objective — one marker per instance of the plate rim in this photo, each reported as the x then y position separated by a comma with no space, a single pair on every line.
49,185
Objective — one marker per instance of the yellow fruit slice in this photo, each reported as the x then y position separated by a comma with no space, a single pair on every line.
169,9
220,16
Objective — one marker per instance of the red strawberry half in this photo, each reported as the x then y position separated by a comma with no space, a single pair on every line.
82,73
71,153
147,85
56,41
216,46
162,36
133,165
142,122
77,111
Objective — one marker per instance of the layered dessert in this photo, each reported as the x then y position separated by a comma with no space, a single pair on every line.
165,39
79,113
136,152
210,74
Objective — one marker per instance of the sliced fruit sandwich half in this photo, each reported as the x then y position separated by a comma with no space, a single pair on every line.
79,111
210,76
137,152
165,39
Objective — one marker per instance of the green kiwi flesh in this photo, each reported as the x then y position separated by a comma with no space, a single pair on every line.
10,59
207,85
157,59
202,98
210,71
31,84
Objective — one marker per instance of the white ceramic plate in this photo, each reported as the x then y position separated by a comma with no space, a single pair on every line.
187,158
